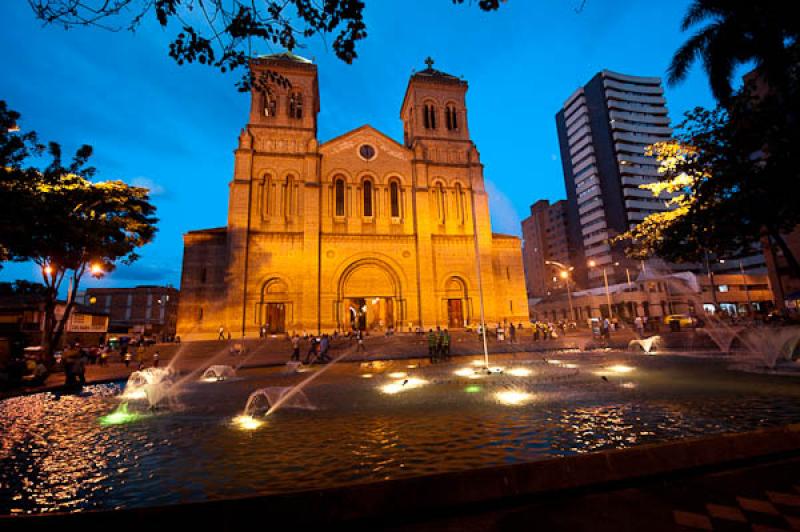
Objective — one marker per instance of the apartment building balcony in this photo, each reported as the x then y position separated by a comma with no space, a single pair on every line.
637,107
637,98
633,87
647,118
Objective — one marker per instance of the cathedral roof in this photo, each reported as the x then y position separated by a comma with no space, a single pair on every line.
433,74
286,56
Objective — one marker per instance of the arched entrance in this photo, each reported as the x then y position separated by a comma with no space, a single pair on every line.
369,296
456,301
275,306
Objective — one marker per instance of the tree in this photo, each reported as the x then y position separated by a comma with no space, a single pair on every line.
222,33
738,32
59,219
22,287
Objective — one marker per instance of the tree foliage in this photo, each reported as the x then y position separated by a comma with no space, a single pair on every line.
223,33
58,218
736,33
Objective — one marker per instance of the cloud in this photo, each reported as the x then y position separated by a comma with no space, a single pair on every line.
504,217
155,189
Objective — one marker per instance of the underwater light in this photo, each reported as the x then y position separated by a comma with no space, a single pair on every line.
464,372
520,372
398,375
366,375
135,394
472,388
554,362
246,422
513,397
119,416
620,368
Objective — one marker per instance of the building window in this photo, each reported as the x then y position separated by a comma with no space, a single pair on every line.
460,203
429,116
269,104
394,199
296,105
367,198
339,193
451,117
440,199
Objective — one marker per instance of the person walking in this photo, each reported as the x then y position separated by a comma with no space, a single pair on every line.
156,358
432,345
312,351
512,333
296,347
324,345
445,354
221,335
638,323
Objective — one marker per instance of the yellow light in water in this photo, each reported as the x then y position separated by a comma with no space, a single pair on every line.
513,397
209,379
477,363
571,366
411,366
620,368
520,372
398,374
247,422
392,388
464,372
366,375
629,385
402,385
554,361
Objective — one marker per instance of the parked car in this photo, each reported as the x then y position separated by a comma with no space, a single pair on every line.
683,320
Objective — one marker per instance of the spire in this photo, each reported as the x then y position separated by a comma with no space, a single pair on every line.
429,62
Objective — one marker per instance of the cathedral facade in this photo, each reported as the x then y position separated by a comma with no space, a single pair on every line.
356,232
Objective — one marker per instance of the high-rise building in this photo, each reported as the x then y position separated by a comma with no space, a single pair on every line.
545,238
603,131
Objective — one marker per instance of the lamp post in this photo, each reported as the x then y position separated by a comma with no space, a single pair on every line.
593,264
565,271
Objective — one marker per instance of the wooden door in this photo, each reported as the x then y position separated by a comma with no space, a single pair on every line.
455,314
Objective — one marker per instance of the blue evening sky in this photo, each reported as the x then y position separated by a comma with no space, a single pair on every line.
173,128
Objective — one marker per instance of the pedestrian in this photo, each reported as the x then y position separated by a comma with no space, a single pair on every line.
127,357
432,345
156,358
446,345
296,347
324,345
606,328
439,340
512,333
638,323
221,335
80,370
536,332
312,352
229,335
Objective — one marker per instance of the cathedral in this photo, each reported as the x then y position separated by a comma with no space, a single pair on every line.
356,232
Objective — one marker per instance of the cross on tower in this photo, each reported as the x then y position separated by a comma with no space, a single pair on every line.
429,62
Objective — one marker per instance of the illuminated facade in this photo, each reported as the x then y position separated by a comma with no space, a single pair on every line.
359,231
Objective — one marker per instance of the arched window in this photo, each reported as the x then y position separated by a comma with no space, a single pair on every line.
429,116
394,199
451,117
269,104
367,198
440,199
339,197
460,207
295,105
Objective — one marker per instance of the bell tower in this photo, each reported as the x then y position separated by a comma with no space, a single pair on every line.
434,107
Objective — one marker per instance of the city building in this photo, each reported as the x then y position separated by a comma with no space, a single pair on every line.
545,237
656,296
146,310
603,131
22,316
357,232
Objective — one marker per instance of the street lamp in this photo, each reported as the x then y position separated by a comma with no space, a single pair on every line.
565,270
593,264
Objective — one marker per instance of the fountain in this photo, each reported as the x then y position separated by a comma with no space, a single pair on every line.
263,401
152,384
218,372
645,344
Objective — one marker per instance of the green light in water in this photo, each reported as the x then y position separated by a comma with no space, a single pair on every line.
119,416
472,389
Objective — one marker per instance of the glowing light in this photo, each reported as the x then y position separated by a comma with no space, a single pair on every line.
629,385
472,388
620,368
412,366
464,372
477,362
402,385
119,416
520,372
398,375
246,422
554,362
571,366
48,270
495,370
513,397
96,269
366,375
209,379
563,274
475,376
